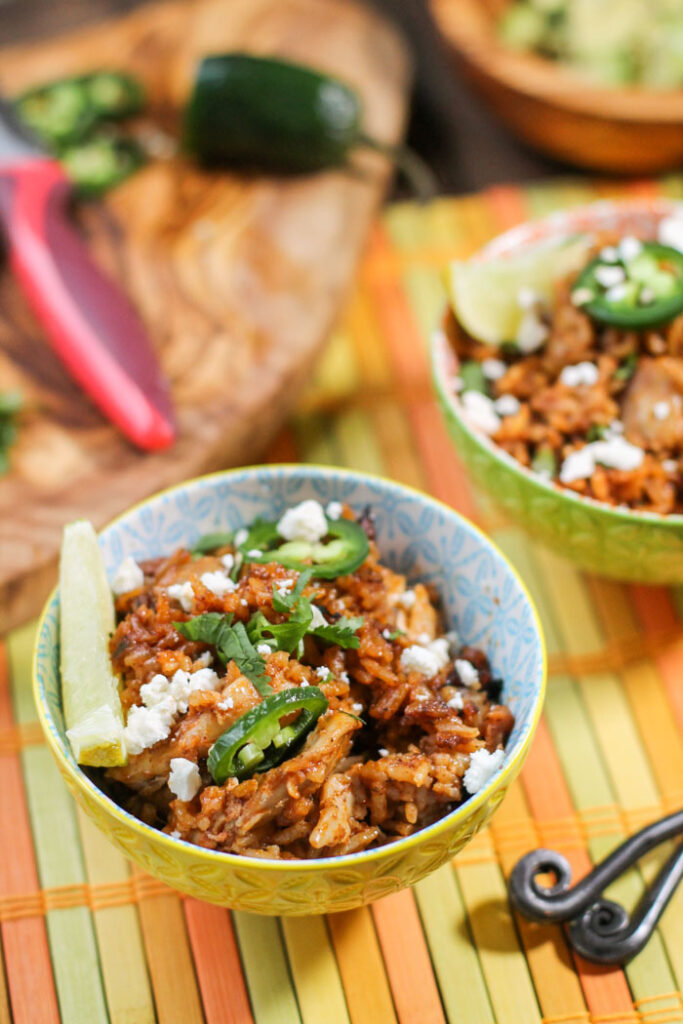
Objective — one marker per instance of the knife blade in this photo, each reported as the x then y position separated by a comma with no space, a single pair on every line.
89,322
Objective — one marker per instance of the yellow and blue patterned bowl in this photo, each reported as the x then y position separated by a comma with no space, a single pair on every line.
483,599
617,542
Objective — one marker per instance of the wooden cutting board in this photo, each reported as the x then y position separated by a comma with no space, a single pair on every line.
238,280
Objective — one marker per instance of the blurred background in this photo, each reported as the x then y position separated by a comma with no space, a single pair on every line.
450,125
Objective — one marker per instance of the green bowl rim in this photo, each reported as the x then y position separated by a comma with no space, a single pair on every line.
508,771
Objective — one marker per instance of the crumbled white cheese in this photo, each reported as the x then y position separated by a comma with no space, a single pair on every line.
629,248
305,521
609,276
184,683
323,673
304,683
204,660
386,633
344,676
428,660
175,834
334,510
616,427
173,694
218,582
527,298
456,702
617,293
155,691
183,594
184,780
609,254
466,671
407,599
357,707
614,452
244,602
483,766
493,369
146,726
226,704
240,537
669,465
423,638
532,332
579,465
383,752
581,296
264,650
284,587
228,562
661,410
318,619
670,232
506,405
129,576
580,374
254,553
479,411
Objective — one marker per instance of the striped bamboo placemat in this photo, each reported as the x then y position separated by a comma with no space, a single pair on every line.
87,938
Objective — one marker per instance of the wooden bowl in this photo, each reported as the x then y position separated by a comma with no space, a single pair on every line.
627,130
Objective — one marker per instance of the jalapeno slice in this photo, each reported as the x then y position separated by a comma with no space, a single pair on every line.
346,548
62,112
650,292
102,162
257,742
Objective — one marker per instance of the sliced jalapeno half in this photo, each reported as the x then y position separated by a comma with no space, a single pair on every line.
345,548
650,293
257,741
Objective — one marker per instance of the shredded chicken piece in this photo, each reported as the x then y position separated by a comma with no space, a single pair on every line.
656,388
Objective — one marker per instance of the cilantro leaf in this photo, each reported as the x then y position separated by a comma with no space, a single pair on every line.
211,541
261,536
342,632
232,644
283,602
627,367
287,635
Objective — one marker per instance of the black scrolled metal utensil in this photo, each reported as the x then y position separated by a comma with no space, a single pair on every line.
600,930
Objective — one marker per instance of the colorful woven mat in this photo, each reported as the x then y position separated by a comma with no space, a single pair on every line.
87,938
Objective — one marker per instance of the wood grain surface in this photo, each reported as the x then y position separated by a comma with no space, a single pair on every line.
239,280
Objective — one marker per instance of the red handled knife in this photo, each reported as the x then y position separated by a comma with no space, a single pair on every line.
89,322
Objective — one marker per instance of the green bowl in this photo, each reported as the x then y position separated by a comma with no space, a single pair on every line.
617,542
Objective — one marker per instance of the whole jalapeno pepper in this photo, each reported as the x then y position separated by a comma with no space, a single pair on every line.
257,742
275,115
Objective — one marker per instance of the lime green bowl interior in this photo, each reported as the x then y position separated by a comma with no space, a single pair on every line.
483,598
610,541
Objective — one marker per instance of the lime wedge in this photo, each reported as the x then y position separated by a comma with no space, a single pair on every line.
485,294
90,689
